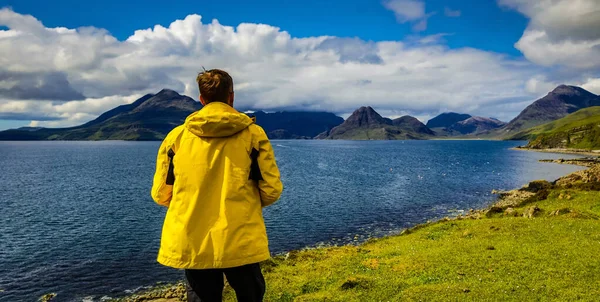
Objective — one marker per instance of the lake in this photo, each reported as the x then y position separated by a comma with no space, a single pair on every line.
78,220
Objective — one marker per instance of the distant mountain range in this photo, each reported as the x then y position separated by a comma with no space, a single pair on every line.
456,124
446,120
154,115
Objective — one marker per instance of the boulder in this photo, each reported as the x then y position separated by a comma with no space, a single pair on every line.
537,185
509,211
531,212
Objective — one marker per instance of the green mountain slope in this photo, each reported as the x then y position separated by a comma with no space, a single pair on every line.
557,104
579,130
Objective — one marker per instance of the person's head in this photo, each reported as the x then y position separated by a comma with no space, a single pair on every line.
215,86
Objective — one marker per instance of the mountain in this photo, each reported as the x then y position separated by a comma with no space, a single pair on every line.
456,124
411,124
149,118
152,117
560,102
579,130
295,125
447,119
366,124
474,125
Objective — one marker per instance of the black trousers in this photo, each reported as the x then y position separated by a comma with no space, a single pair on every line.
206,285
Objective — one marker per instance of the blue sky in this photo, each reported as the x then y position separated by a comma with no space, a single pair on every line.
64,63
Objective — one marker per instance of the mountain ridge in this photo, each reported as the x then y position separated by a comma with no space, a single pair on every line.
153,116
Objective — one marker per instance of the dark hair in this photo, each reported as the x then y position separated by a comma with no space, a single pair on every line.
215,85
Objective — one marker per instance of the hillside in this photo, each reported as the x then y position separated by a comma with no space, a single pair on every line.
557,104
579,130
152,117
366,124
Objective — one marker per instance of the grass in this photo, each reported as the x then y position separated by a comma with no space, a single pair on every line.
501,258
481,257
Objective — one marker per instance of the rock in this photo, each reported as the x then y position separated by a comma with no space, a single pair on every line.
48,297
509,211
531,212
493,210
537,185
591,175
513,198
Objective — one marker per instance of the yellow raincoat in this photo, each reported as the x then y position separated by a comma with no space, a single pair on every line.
215,173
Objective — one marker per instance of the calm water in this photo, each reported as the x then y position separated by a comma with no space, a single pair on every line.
77,218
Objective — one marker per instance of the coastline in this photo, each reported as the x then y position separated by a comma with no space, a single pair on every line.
507,205
561,151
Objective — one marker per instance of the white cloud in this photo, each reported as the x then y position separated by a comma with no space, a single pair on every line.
592,85
431,39
560,32
271,69
451,13
406,10
61,114
538,85
409,11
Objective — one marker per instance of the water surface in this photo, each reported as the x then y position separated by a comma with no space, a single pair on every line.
77,218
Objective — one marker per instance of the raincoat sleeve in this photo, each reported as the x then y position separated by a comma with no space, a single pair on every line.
161,191
270,186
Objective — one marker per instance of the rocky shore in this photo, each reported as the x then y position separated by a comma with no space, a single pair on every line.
583,152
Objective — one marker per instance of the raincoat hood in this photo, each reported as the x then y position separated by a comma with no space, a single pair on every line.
217,119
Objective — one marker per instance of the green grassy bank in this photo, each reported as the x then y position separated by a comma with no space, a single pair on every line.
539,243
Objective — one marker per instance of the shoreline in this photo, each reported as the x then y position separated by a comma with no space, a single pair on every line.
561,151
504,203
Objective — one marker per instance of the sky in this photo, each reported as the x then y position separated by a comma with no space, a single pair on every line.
63,64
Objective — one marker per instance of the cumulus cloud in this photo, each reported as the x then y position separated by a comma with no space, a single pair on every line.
406,10
64,77
50,114
560,32
35,86
409,11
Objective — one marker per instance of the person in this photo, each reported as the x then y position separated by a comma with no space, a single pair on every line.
215,173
